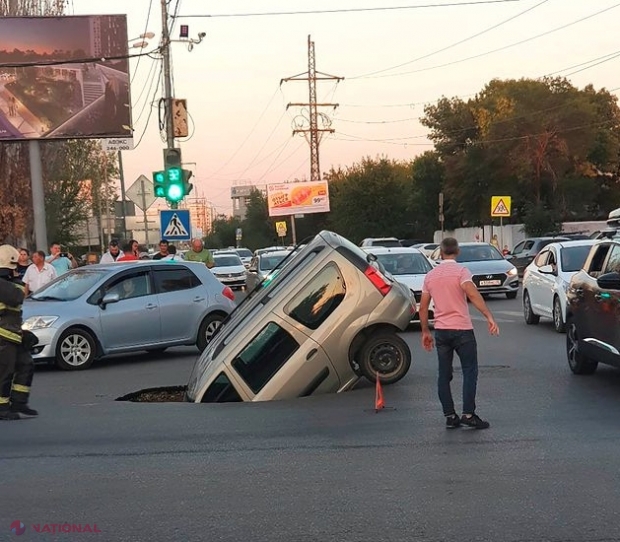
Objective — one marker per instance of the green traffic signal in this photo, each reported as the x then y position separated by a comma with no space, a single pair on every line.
175,191
159,183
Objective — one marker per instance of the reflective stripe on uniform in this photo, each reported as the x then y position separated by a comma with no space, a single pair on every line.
20,388
4,400
4,307
10,335
22,288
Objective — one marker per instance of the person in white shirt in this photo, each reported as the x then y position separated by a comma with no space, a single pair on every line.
39,273
113,253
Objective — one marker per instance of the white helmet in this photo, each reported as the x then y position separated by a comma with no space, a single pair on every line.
8,257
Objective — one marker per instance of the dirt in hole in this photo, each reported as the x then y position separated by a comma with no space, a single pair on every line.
170,394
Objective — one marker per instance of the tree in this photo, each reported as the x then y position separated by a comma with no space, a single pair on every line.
369,199
223,232
77,184
258,229
533,139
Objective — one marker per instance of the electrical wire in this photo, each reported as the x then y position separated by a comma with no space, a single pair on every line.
351,10
503,48
154,80
90,60
146,27
452,45
148,118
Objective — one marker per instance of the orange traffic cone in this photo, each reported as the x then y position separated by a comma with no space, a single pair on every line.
379,402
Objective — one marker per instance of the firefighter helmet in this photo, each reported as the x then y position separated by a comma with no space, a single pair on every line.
8,257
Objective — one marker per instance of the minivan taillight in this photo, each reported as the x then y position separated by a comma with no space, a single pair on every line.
378,280
227,292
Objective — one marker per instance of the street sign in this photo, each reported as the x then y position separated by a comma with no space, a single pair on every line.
500,206
135,194
117,144
239,234
281,228
175,225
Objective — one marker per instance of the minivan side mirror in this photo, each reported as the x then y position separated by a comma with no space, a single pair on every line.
109,298
609,281
547,270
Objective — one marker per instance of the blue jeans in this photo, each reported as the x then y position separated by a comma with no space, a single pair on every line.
463,342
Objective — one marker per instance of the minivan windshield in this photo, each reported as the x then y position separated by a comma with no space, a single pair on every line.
69,286
476,253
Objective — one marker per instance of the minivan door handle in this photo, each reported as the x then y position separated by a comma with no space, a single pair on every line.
599,297
311,354
198,299
150,306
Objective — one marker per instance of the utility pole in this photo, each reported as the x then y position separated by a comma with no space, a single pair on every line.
165,49
313,133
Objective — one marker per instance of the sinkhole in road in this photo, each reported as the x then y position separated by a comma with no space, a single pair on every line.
166,394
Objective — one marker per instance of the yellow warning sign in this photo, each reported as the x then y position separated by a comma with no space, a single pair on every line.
281,228
500,205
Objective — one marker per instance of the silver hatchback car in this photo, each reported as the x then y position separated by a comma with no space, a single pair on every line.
105,309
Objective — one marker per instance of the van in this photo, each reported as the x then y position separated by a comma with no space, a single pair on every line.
327,318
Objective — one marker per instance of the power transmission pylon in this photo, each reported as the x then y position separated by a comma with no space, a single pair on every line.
313,133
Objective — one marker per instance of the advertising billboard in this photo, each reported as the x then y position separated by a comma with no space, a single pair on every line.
298,198
64,77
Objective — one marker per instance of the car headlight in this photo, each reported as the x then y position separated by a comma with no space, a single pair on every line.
38,322
513,272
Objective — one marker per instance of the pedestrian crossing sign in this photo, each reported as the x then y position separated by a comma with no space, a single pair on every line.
175,225
500,206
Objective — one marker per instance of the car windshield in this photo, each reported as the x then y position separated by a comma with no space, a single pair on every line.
244,252
405,264
227,261
268,262
69,286
573,258
476,253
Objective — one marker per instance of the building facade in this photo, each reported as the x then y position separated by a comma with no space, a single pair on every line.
240,196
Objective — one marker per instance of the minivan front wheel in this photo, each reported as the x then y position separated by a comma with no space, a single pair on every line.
578,363
384,354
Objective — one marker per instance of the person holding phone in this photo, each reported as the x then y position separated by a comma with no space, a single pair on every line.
61,261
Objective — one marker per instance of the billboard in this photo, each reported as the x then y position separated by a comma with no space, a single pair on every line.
298,198
64,77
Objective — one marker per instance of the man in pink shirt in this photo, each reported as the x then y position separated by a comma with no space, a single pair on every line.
450,286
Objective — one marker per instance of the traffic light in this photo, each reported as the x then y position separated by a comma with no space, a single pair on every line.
174,183
159,184
187,186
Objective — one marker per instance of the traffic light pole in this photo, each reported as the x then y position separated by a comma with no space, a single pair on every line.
165,48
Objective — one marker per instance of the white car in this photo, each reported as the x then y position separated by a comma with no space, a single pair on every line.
546,280
229,269
426,248
408,266
380,242
246,256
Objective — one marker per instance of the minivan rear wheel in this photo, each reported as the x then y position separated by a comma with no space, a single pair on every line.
384,354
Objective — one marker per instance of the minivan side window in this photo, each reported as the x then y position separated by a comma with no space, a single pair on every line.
221,390
264,356
319,298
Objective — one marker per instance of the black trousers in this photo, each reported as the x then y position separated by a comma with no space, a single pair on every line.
16,373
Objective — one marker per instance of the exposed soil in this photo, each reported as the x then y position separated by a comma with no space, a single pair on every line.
169,394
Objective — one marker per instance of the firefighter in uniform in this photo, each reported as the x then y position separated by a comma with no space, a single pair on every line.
16,365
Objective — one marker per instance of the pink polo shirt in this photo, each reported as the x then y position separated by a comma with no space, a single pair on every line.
443,283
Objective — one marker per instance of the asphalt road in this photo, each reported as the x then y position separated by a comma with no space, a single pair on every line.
325,468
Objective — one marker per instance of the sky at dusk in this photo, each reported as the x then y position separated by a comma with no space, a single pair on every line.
393,61
44,36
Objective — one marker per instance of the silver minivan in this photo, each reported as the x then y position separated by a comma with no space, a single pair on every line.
327,317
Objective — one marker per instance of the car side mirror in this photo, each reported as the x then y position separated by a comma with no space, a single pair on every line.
609,281
109,298
547,270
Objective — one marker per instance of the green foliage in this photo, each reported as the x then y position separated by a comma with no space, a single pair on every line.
535,140
78,181
539,220
223,232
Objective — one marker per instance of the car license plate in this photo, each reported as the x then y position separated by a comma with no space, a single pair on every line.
490,282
